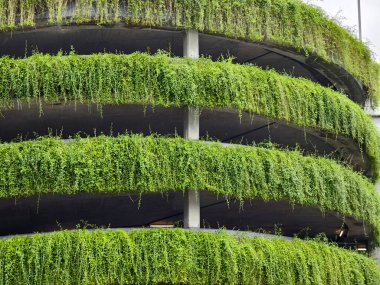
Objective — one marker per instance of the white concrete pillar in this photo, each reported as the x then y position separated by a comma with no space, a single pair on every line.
191,123
191,44
192,211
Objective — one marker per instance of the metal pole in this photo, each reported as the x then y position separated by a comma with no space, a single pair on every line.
192,208
360,20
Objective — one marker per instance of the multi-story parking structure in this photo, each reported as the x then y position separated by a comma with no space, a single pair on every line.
185,142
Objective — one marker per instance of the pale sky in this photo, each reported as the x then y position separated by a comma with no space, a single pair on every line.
346,11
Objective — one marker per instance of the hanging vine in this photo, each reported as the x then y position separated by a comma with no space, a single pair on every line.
177,257
162,80
290,23
137,164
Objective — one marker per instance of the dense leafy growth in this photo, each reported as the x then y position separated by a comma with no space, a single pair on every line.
138,164
290,23
177,257
161,80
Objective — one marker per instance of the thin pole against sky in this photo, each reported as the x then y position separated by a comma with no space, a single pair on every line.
360,20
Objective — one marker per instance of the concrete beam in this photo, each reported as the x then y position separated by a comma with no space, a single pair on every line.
191,131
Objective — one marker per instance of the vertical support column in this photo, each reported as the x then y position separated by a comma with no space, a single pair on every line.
191,131
191,123
191,44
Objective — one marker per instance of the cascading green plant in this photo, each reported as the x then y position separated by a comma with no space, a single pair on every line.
289,23
137,164
163,256
162,80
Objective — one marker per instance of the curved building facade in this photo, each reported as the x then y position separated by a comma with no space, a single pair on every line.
185,142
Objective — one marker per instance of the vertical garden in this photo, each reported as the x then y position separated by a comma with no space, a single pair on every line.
185,142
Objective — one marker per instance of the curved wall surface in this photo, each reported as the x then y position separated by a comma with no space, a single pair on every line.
95,99
281,27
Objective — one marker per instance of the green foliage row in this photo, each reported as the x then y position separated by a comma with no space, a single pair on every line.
137,164
177,257
161,80
290,23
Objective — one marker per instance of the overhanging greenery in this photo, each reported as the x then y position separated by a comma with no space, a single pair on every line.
161,80
289,23
177,257
137,164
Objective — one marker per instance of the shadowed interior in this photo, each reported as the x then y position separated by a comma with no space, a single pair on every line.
87,39
53,212
225,125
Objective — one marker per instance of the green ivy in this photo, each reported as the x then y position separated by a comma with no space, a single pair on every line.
290,23
177,257
161,80
137,164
